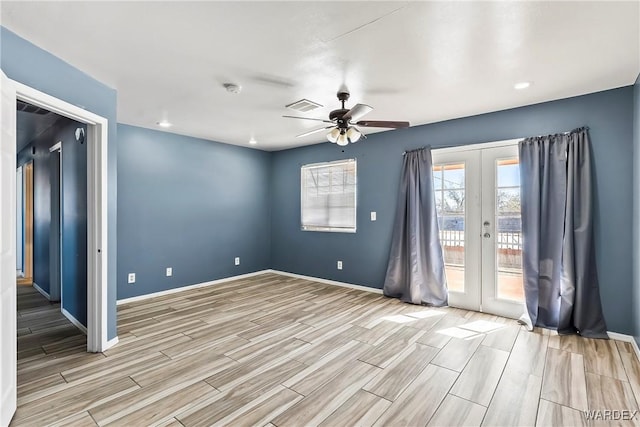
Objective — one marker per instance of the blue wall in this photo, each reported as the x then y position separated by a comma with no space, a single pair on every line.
609,116
74,208
74,224
636,210
190,204
26,63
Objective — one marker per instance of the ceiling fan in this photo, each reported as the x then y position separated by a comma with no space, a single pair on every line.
345,122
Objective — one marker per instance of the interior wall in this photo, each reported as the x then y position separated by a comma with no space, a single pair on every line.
365,253
74,208
28,64
636,210
189,204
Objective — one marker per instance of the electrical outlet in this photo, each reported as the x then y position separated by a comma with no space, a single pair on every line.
131,278
373,216
237,261
339,265
169,271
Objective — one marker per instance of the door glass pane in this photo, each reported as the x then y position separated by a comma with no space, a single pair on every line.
449,188
509,231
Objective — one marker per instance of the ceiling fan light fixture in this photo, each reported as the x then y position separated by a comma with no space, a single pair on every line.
333,135
353,134
343,139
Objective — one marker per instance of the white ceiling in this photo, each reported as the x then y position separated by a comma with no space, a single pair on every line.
417,61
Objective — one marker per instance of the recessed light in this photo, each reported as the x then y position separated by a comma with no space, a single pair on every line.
164,124
521,85
253,141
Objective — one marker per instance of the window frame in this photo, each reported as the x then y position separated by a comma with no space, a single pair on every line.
329,229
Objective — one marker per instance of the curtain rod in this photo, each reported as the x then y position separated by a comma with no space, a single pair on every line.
415,149
560,133
522,138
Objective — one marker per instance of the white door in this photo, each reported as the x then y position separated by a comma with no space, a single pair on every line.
8,333
478,198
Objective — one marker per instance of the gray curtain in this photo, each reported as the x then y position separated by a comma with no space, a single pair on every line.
561,281
415,273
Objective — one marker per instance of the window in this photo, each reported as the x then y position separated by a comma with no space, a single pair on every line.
328,196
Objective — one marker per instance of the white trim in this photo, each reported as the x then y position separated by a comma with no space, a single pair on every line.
110,343
190,287
55,147
73,320
42,291
328,282
55,105
626,338
327,164
303,190
480,146
97,255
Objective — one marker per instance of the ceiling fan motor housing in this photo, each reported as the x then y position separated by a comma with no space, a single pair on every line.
337,115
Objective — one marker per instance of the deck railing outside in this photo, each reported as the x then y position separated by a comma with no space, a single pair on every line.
509,247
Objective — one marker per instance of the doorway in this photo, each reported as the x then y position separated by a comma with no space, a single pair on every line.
24,228
477,190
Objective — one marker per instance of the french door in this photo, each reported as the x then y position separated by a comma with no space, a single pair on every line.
478,199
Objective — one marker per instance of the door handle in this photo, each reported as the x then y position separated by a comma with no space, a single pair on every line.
486,225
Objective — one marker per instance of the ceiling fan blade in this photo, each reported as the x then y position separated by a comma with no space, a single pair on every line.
358,111
383,124
308,118
313,131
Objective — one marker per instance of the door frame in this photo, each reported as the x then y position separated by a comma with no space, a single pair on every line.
8,288
97,229
490,301
470,297
20,225
474,264
55,274
27,224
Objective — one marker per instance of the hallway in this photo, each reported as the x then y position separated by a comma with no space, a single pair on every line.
43,333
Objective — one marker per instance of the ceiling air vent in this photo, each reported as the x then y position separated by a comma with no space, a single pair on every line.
28,108
304,106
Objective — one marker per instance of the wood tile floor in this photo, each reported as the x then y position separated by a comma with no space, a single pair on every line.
279,351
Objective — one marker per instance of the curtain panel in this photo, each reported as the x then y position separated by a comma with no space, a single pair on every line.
415,272
560,277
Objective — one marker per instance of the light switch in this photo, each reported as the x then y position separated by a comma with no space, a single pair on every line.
373,216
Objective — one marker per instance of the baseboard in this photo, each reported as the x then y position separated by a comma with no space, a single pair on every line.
110,343
328,282
626,338
189,287
42,291
75,321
